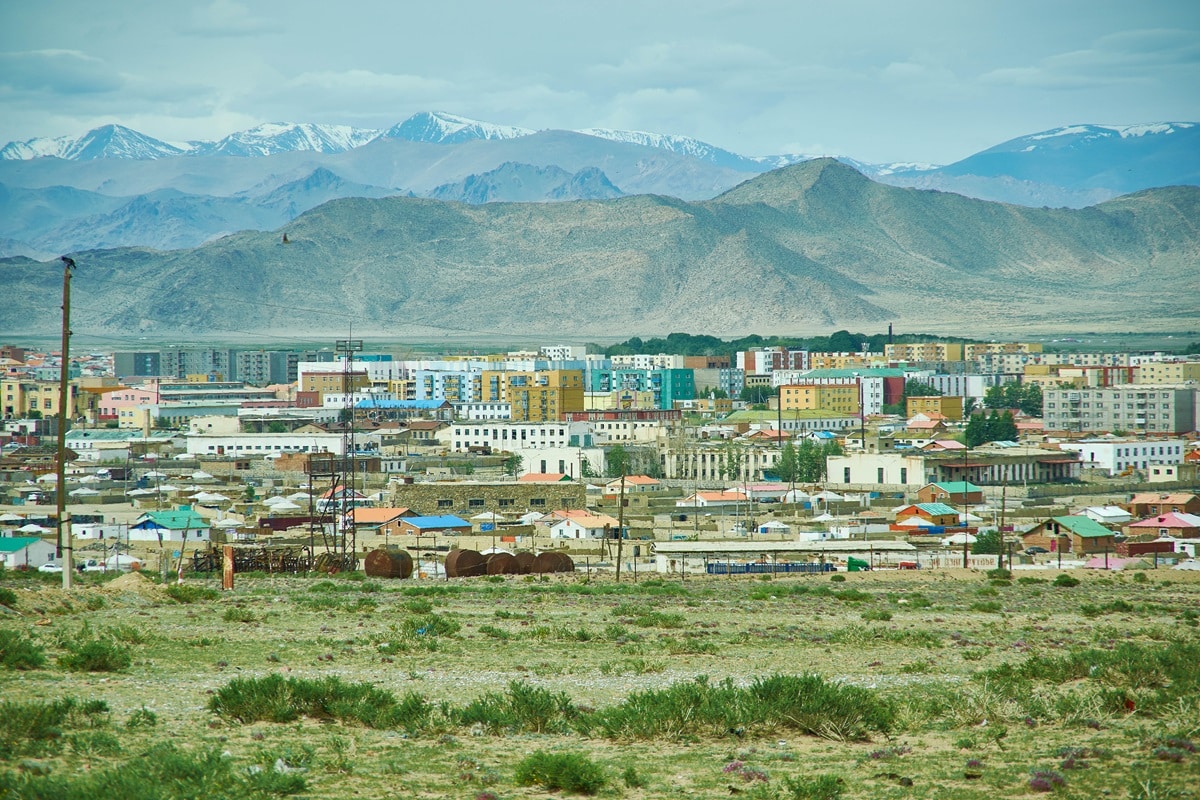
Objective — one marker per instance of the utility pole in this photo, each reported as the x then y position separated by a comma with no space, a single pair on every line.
621,522
60,497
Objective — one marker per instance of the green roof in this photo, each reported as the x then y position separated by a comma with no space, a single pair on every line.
15,544
1086,527
866,372
937,509
177,520
958,487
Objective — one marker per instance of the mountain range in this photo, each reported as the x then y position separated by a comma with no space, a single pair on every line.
114,186
801,249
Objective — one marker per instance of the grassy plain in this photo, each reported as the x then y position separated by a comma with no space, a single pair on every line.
942,684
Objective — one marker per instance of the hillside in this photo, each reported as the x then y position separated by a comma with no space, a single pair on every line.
803,249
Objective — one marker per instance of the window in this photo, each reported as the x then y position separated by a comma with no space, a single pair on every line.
880,475
537,502
444,503
904,474
846,475
475,502
506,502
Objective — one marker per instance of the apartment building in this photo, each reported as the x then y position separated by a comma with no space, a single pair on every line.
1115,457
539,396
1167,372
842,398
1135,408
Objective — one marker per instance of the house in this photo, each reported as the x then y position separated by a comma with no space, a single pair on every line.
1175,524
958,492
942,446
182,525
1078,534
381,521
726,497
589,526
930,428
938,514
1149,504
340,497
446,524
634,484
1107,515
25,552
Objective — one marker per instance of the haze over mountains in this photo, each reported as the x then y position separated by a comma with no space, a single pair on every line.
802,249
115,187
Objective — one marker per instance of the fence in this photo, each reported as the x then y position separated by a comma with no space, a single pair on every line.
759,568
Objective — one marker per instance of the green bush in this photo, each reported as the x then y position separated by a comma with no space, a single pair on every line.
1065,580
523,708
165,772
818,787
96,655
572,772
36,727
276,699
876,615
430,625
8,597
20,652
999,574
837,578
238,614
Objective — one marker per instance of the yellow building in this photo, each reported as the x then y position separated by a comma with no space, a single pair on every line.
1167,372
622,398
838,397
334,382
973,351
19,397
1051,376
842,360
540,396
924,351
949,407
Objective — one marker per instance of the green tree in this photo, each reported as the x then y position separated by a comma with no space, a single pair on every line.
788,466
987,543
586,470
1031,400
810,458
513,464
732,458
1005,428
616,461
756,395
275,426
976,432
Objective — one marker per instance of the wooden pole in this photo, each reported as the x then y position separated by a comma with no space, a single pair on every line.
60,493
621,523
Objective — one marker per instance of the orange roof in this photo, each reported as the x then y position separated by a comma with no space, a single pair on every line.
728,494
922,424
1151,497
637,480
543,477
592,520
369,516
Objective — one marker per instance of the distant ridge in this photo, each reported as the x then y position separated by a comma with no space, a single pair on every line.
803,249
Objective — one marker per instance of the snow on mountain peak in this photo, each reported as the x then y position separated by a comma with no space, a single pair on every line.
280,137
439,127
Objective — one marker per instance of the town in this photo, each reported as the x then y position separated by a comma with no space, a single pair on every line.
770,460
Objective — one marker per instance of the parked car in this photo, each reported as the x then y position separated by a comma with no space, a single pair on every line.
50,566
1035,550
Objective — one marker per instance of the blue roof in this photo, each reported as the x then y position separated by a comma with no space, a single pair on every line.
15,544
442,521
937,509
416,405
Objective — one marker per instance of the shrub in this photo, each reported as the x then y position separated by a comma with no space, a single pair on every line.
421,606
430,625
8,597
837,578
1065,581
37,727
20,652
570,771
275,699
877,615
818,787
999,574
238,614
142,718
524,707
96,656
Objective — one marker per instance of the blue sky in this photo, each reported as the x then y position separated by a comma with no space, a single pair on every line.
878,81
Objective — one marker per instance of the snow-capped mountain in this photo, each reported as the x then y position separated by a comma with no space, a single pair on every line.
1110,156
438,127
283,137
107,141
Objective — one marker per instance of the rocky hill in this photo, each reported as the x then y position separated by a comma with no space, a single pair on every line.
803,249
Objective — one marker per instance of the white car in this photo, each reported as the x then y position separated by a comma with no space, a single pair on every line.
50,566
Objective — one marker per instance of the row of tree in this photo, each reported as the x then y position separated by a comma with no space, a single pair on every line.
994,427
692,345
1025,397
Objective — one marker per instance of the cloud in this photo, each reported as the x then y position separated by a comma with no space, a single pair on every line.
226,18
1120,58
361,80
63,72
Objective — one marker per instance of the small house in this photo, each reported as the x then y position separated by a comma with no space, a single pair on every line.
1074,534
25,552
589,526
954,492
182,525
445,524
936,514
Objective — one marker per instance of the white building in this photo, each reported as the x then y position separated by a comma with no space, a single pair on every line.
643,361
510,436
476,412
877,469
1115,456
583,526
264,444
870,392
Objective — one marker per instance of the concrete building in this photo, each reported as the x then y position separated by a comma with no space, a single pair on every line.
1167,372
839,398
1119,456
264,444
878,469
1140,409
537,396
665,385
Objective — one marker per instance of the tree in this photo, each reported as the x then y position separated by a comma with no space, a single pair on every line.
1031,401
732,460
275,426
810,459
987,543
976,432
513,464
756,395
586,470
1005,428
616,461
788,466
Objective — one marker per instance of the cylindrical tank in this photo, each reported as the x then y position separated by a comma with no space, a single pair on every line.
464,564
524,562
502,564
388,564
551,561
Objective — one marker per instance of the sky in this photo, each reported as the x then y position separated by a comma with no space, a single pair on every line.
876,80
